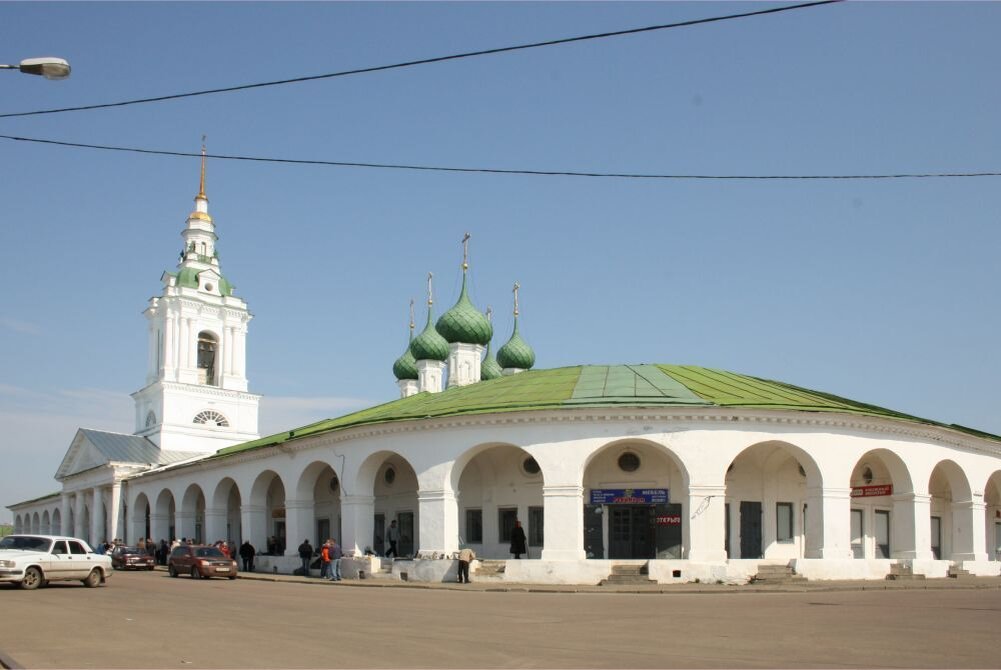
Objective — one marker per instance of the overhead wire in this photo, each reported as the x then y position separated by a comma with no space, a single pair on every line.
423,61
484,170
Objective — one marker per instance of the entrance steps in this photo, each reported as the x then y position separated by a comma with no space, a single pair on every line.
777,574
487,569
959,573
903,572
628,574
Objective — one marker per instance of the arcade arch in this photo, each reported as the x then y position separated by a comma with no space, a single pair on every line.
191,519
992,501
951,512
141,517
227,504
164,520
268,518
879,526
391,481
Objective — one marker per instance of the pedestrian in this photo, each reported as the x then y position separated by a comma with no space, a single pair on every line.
518,540
247,553
162,552
335,561
466,556
325,560
393,537
306,554
224,548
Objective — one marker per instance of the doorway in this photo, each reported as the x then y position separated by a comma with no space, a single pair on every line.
750,529
630,531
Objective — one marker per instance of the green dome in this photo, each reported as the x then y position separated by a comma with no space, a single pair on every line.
405,366
429,345
464,323
516,353
490,369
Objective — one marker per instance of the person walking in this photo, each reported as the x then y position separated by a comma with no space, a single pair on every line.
393,537
466,556
306,554
247,553
335,561
518,540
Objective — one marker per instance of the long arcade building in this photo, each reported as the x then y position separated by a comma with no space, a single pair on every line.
689,472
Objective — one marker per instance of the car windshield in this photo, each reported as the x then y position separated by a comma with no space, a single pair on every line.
130,550
26,543
208,552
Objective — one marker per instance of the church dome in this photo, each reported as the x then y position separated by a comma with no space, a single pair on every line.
464,323
405,366
516,353
429,345
490,369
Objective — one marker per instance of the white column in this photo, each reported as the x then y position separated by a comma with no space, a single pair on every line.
706,523
168,347
192,361
96,517
357,524
438,516
151,354
254,526
910,526
828,526
299,525
563,533
969,520
78,505
64,516
114,510
215,524
183,345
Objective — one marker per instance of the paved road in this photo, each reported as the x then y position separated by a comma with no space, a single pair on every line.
148,620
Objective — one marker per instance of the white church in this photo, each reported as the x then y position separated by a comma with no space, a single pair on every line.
667,473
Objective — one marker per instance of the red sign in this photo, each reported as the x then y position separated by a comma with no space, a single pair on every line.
668,519
871,491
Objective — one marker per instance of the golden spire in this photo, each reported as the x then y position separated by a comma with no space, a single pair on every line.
201,181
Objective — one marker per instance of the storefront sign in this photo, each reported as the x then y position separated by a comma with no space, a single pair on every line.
668,519
628,496
871,491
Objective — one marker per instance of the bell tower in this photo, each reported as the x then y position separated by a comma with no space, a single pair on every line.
195,398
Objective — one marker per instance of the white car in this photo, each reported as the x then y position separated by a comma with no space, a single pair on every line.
34,560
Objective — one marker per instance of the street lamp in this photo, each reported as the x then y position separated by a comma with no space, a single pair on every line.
48,67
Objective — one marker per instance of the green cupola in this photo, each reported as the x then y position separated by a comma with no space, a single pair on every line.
405,366
490,369
516,353
429,345
464,323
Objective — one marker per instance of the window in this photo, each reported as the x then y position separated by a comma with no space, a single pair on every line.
76,548
150,419
936,537
783,522
535,527
882,521
629,462
506,516
207,345
474,526
858,547
389,476
60,548
210,417
530,466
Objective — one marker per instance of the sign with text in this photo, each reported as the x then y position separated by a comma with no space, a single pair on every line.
628,496
668,519
871,491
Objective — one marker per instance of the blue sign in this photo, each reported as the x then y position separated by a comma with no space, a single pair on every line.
628,496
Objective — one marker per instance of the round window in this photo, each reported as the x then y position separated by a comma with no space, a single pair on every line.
389,476
867,475
334,484
629,462
208,287
530,466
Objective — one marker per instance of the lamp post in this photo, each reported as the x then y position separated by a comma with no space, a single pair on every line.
48,67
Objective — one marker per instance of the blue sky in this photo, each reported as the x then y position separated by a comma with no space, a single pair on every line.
882,291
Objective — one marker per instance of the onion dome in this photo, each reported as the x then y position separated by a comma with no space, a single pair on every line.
516,353
490,368
429,345
405,366
464,323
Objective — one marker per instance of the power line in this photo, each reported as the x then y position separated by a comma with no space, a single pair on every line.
424,61
482,170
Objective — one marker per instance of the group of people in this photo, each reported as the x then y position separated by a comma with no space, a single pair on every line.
330,559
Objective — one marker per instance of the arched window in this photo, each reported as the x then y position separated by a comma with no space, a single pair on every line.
207,346
150,419
210,417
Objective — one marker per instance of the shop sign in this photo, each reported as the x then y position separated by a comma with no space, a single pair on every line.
628,496
871,491
668,519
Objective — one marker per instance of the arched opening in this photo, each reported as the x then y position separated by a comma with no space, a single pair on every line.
268,494
874,526
192,516
632,503
208,345
86,526
57,522
46,526
951,512
164,520
393,483
35,523
320,484
767,490
498,486
992,499
227,497
140,521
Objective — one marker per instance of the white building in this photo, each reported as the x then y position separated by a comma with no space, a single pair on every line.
685,472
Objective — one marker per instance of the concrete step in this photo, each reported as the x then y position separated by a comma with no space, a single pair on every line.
490,568
777,574
959,573
628,574
903,573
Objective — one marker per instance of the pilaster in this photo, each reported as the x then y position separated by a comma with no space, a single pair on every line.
563,533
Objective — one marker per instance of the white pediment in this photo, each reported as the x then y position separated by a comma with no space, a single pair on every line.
82,455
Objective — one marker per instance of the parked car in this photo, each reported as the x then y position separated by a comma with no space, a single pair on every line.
35,560
131,558
199,560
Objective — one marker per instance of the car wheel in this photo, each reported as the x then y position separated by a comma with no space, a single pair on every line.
194,573
232,577
93,579
171,570
32,579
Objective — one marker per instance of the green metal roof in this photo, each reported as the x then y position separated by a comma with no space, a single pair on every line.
188,278
652,386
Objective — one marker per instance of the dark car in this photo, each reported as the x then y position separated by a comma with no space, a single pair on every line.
199,560
131,558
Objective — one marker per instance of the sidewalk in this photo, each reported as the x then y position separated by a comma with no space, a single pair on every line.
498,586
